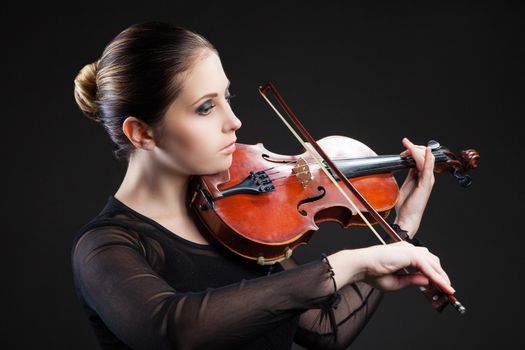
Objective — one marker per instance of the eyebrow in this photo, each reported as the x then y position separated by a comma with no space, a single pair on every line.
213,94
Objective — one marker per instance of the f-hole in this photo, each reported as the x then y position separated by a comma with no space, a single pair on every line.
311,199
268,159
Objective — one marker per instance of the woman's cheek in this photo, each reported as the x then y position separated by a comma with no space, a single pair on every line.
202,150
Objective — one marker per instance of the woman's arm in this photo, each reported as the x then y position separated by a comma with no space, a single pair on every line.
358,302
359,299
416,189
144,312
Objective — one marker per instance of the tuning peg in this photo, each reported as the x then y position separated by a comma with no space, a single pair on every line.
433,144
464,180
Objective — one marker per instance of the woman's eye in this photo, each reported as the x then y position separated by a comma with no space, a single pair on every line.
229,97
205,108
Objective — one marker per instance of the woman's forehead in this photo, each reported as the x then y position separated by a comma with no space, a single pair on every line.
206,76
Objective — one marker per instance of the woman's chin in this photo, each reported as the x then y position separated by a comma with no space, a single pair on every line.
228,164
219,168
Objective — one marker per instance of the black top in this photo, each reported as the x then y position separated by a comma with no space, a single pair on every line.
144,287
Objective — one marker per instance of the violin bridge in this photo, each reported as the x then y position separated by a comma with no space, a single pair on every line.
302,172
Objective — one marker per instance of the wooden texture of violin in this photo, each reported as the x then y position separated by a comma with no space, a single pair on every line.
268,226
266,204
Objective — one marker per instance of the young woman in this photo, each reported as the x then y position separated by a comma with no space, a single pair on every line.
145,272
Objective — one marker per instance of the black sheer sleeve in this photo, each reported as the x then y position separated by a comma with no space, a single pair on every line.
357,303
145,312
349,312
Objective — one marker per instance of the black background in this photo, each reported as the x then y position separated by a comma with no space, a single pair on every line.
375,71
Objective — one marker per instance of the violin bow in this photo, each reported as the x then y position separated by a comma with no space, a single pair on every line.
432,293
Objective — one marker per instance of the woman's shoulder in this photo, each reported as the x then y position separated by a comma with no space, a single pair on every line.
111,225
103,231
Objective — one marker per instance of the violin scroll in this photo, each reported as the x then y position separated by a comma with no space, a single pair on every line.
458,166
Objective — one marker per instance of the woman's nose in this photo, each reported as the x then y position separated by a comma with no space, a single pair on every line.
232,122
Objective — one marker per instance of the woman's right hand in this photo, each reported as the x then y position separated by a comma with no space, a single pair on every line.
379,265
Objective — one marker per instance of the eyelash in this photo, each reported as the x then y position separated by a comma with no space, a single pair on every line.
205,111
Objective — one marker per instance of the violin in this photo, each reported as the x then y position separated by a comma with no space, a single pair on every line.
267,204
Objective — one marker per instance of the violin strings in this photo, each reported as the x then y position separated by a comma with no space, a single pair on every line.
277,166
274,173
279,178
347,158
378,169
307,159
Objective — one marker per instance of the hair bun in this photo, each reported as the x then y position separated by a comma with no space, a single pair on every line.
86,90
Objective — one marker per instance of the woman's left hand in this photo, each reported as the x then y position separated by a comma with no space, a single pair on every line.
415,191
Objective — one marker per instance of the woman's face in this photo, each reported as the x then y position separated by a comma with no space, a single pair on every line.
200,122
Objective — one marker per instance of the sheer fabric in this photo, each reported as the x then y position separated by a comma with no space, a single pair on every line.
144,287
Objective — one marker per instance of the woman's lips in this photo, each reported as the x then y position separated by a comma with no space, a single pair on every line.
230,148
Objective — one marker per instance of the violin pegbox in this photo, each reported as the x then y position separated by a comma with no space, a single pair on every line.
458,166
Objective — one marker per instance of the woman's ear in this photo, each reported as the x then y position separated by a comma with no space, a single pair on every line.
139,133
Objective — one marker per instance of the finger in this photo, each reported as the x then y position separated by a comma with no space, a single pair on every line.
428,167
405,153
435,258
423,262
406,142
440,279
417,279
437,267
434,262
417,152
410,147
404,244
419,147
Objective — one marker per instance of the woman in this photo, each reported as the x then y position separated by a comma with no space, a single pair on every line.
144,270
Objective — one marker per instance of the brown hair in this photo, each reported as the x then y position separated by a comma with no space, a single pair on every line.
139,74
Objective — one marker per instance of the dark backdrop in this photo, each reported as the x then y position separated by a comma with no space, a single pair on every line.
373,71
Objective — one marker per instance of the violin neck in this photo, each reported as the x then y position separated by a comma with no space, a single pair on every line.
380,164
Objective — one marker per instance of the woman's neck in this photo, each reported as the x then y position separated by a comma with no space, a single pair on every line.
154,191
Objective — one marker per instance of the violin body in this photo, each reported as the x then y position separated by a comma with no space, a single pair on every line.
267,204
270,225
